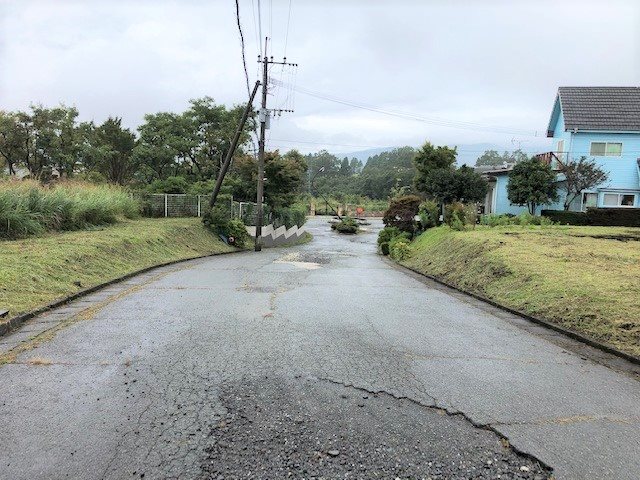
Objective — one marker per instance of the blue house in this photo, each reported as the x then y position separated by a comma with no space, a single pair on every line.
600,123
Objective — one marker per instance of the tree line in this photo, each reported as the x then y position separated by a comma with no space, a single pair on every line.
52,142
182,153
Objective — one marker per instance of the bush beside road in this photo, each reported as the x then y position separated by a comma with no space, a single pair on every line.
586,279
37,271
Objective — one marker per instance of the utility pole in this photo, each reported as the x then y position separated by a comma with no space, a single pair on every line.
264,118
232,147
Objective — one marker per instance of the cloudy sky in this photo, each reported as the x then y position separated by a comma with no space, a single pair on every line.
469,71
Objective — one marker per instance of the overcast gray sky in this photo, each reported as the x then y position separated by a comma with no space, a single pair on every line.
486,63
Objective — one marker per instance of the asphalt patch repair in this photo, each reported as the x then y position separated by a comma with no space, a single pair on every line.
310,428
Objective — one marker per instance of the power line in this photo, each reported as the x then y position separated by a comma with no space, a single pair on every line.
260,28
286,35
255,25
244,60
410,116
378,146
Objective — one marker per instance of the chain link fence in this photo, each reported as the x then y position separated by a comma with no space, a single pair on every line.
183,205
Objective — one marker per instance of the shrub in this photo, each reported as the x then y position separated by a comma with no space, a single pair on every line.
295,215
401,213
237,229
169,185
614,217
602,217
387,235
565,217
347,225
399,248
458,215
429,213
523,219
218,220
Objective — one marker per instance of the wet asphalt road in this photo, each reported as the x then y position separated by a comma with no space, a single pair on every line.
319,361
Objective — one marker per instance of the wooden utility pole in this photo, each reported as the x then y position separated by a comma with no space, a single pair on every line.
264,118
232,147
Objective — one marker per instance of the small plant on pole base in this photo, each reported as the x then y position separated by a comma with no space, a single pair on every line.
347,225
233,230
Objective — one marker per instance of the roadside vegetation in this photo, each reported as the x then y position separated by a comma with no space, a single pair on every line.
346,225
37,271
583,278
29,208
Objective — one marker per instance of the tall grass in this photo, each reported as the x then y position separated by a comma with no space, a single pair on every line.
28,208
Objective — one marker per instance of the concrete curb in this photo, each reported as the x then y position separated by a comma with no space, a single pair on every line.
15,322
544,323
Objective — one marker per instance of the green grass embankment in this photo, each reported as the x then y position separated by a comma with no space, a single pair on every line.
36,271
586,279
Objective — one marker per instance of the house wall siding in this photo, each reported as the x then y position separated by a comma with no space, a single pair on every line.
503,205
623,170
624,173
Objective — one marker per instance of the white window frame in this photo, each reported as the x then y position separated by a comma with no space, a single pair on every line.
561,153
587,192
606,145
620,195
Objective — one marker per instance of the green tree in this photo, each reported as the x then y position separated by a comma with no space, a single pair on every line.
462,185
345,167
494,159
55,140
14,141
285,178
430,158
356,166
156,148
532,183
387,171
581,175
471,187
212,127
489,158
109,150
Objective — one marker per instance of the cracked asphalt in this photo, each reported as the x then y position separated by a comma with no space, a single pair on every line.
318,361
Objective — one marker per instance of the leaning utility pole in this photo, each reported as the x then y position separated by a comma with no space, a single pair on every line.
264,118
232,147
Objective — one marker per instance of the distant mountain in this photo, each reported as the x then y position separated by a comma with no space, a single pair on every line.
363,155
467,153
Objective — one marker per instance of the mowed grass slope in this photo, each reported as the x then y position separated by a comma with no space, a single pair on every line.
39,270
583,278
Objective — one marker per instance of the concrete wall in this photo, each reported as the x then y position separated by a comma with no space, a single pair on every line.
278,237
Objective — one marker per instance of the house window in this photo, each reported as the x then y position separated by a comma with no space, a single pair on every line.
619,200
610,200
627,200
606,149
589,200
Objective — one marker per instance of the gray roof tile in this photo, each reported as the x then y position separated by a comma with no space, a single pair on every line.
601,108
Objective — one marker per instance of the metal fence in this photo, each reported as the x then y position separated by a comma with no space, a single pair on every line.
183,205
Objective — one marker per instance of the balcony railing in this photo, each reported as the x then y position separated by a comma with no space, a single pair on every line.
555,160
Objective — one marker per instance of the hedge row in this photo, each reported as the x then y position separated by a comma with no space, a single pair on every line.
603,217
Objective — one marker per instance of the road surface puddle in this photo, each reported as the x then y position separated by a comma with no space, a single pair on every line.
306,261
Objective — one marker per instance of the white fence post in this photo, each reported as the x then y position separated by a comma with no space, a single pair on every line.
166,206
198,205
